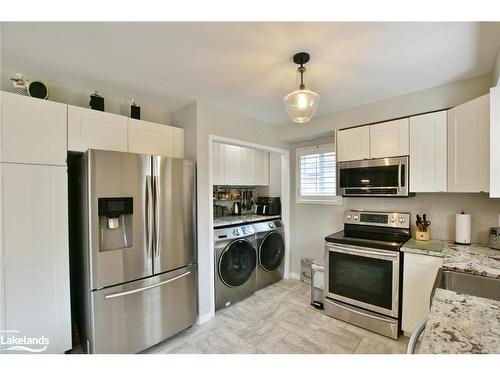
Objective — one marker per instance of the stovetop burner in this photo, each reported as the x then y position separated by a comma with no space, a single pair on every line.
380,230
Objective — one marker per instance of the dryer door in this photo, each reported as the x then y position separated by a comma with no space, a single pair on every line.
271,251
237,263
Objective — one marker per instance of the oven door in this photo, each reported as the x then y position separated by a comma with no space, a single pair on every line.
376,177
363,277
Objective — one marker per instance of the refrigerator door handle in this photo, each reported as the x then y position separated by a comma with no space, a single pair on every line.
156,191
133,291
149,216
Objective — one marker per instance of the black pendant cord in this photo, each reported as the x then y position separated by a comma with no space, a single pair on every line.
301,58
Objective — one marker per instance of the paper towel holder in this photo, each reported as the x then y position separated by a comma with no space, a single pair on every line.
463,228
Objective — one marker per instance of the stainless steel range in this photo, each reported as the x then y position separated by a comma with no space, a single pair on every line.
364,270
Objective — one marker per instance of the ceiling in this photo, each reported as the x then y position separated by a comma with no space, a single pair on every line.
247,67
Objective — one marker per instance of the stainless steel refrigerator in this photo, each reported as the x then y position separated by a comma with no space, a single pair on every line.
138,250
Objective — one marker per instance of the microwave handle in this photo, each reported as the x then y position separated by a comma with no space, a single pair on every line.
399,176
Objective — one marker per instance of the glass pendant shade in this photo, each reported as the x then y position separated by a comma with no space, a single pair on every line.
301,105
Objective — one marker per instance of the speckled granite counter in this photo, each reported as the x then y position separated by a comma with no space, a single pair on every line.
243,219
474,259
433,247
459,323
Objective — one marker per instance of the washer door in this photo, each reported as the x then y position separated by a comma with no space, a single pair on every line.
237,262
271,251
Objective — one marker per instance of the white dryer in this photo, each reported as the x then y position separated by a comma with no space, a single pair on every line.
270,239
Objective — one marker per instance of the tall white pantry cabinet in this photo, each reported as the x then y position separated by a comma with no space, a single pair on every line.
34,253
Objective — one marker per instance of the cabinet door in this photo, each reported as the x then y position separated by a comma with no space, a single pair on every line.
36,286
418,279
494,137
32,130
353,144
389,139
261,167
428,152
248,159
468,146
233,165
88,128
149,138
218,163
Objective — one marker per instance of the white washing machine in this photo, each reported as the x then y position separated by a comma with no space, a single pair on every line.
235,264
270,238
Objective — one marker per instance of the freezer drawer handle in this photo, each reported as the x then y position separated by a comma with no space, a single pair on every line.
121,294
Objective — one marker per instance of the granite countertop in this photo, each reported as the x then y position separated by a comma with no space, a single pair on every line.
460,323
475,259
226,221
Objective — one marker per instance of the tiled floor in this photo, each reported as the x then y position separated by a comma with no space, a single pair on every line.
277,319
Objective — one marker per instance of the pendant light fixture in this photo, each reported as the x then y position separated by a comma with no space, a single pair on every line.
301,104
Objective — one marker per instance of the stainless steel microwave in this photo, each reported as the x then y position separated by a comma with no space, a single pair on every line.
386,177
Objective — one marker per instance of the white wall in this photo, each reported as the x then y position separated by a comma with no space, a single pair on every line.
496,71
202,120
310,222
114,102
436,98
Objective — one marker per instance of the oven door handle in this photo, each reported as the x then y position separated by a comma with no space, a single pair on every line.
363,251
358,311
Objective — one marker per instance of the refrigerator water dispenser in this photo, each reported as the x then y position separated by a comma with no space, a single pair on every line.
115,223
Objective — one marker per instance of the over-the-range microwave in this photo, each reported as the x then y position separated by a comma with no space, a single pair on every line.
385,177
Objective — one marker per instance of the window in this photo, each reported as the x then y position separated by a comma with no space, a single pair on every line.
316,175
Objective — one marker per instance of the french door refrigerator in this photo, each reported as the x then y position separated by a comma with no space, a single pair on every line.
139,257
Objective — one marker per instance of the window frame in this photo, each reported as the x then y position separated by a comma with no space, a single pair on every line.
314,199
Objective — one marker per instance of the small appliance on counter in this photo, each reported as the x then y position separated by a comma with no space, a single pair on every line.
236,208
462,228
269,206
494,238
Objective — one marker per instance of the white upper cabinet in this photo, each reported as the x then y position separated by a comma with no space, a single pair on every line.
389,139
428,152
353,144
494,145
261,164
248,159
233,165
469,146
149,138
34,243
88,128
239,166
218,163
32,130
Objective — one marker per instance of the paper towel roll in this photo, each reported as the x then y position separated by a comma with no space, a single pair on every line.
462,228
499,220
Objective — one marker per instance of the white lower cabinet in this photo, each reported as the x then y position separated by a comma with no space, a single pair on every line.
34,282
150,138
428,153
88,128
419,275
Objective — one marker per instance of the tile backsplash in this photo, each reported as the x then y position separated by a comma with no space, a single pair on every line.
440,209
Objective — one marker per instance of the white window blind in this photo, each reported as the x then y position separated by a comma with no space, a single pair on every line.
316,174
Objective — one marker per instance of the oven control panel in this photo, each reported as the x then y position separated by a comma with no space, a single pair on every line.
385,219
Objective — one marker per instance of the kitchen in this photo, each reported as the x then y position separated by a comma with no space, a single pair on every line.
228,224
